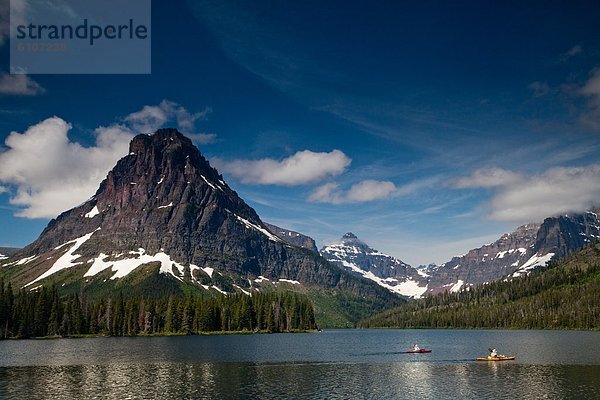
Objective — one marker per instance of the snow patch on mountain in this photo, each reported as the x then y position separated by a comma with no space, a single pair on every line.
289,281
410,288
256,227
407,287
93,212
457,286
212,185
124,267
535,261
25,260
67,260
242,290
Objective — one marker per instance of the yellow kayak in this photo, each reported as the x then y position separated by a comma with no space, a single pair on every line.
499,358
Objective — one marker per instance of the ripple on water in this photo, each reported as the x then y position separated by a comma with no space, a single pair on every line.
300,380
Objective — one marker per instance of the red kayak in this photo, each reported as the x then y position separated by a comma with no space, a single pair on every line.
418,351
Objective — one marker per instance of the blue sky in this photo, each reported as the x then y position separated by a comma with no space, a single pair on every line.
426,128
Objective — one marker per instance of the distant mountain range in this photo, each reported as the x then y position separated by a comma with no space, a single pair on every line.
563,295
513,254
516,253
164,221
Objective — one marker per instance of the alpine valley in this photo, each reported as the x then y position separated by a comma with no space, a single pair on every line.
514,254
164,222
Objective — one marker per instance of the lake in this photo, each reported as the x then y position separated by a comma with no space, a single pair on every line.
334,364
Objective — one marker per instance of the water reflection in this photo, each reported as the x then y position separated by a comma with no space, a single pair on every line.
305,380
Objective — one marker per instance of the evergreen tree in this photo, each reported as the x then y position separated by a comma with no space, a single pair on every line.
44,312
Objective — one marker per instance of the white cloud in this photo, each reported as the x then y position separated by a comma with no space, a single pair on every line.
19,84
370,190
327,193
150,118
301,168
364,191
488,177
50,173
418,185
522,198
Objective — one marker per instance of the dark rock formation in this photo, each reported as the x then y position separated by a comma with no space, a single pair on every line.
293,237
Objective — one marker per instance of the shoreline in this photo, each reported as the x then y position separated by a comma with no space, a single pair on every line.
167,334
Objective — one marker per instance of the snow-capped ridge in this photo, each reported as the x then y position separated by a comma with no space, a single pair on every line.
356,256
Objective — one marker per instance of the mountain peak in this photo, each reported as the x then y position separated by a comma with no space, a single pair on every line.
357,257
164,221
168,147
162,138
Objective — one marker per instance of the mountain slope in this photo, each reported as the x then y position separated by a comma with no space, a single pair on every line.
561,296
164,220
514,254
354,255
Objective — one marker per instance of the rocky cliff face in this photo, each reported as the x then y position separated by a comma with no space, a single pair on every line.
566,233
163,208
293,237
514,254
356,256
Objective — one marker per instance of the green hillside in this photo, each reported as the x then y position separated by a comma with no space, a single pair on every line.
564,295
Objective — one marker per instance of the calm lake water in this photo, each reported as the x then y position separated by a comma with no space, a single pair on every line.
336,364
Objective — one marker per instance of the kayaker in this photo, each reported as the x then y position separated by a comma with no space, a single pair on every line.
416,347
493,353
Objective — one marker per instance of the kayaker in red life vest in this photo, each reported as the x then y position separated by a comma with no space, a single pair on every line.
416,347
